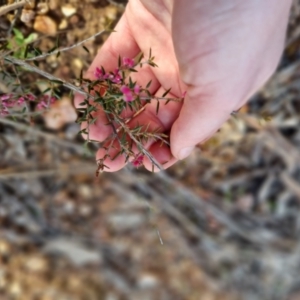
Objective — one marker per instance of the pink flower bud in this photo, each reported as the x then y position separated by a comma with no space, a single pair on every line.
20,101
138,161
128,62
136,89
125,89
5,97
128,97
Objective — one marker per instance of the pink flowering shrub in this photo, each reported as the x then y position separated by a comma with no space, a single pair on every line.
114,92
9,102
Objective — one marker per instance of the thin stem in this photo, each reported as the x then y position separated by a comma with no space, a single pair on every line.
68,85
66,48
139,144
7,8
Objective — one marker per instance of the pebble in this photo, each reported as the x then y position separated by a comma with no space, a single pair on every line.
63,24
148,281
128,221
45,24
42,8
27,15
53,4
60,113
68,10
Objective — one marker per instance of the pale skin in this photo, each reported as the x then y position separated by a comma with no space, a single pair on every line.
218,52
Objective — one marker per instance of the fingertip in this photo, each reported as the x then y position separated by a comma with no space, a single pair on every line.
162,155
111,163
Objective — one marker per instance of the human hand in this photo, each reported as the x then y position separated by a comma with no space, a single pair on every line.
218,52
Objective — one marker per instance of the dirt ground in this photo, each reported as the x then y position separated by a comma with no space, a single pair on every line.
223,224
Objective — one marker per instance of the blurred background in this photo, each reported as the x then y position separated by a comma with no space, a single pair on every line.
222,224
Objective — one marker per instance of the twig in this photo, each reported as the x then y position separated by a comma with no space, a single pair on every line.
139,145
68,85
50,137
82,92
66,48
65,169
7,8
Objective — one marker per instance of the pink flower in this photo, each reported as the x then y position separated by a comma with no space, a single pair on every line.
125,89
130,94
127,93
4,112
45,101
41,105
20,101
138,161
5,97
99,74
136,89
128,62
30,97
116,77
128,97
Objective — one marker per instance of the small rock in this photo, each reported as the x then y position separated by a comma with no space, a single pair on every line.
15,289
27,15
36,264
77,63
79,254
61,112
68,10
63,24
42,8
45,24
128,221
85,191
53,4
74,20
111,12
30,4
5,248
147,281
85,210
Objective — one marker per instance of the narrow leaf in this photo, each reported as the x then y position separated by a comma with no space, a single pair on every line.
166,92
86,49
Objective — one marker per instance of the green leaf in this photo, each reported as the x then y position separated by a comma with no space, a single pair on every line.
93,120
31,38
26,51
37,51
82,131
140,57
56,81
46,90
157,107
52,49
148,84
18,34
131,83
119,62
86,49
166,92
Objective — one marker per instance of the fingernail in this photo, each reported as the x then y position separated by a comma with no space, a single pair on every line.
185,152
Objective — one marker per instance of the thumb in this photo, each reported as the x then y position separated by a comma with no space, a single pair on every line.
200,117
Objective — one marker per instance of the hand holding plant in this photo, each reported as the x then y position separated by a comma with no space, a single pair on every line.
218,52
